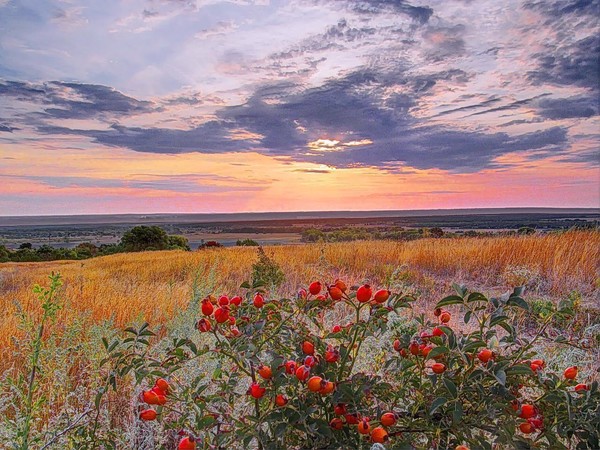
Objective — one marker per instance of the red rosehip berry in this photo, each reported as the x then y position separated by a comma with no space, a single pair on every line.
445,317
148,414
379,435
336,423
207,307
222,314
340,409
302,373
281,400
438,332
363,426
314,384
388,419
485,355
340,285
290,367
364,293
571,373
438,368
382,295
308,348
527,411
335,293
256,391
259,300
265,372
315,287
187,443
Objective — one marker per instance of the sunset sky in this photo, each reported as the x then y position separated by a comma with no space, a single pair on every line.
231,106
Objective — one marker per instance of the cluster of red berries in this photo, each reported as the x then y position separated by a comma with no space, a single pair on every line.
155,396
221,309
338,291
378,434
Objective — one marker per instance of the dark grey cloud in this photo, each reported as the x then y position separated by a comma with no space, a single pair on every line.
63,100
210,137
335,37
577,64
420,14
375,127
568,58
7,129
568,108
512,105
479,105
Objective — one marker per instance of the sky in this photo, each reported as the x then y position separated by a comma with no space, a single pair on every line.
150,106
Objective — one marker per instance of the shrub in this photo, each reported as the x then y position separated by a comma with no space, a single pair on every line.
144,237
283,380
178,243
246,243
210,244
266,271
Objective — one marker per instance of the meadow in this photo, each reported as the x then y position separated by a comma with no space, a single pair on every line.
103,295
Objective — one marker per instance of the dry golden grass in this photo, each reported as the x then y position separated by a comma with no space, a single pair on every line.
153,286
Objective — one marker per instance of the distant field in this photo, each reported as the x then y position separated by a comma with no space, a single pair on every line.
154,286
279,228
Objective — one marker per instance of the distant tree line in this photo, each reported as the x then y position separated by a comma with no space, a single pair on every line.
347,234
137,239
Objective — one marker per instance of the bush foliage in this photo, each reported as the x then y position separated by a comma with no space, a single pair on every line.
276,375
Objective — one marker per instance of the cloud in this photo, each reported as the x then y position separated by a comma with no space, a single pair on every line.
568,108
357,120
63,100
7,129
183,183
420,14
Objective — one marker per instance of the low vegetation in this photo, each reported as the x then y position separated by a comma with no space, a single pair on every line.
138,239
89,374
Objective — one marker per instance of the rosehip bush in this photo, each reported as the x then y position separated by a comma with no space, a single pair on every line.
282,379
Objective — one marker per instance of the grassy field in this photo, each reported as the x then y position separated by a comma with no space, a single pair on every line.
153,286
103,295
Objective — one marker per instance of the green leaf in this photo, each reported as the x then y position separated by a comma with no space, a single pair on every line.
457,414
476,297
450,300
501,377
519,369
437,403
496,320
450,386
245,285
437,351
517,301
472,346
468,316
